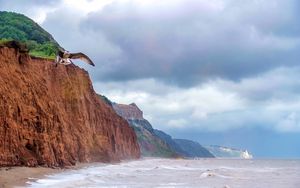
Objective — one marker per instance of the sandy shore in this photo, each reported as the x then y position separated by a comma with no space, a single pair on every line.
18,176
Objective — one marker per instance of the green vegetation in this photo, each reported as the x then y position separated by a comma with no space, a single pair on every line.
147,141
3,40
46,50
14,26
105,99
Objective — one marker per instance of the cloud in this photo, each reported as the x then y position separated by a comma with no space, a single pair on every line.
189,42
179,42
268,101
280,83
20,3
35,9
178,123
289,123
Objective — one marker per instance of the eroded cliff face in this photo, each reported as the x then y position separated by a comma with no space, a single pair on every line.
130,111
150,144
51,116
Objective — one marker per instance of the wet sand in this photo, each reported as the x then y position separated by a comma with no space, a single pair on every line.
18,176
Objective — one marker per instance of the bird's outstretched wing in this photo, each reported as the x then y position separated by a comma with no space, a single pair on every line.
81,56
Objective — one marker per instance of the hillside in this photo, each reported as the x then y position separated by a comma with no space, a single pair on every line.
184,147
51,116
156,143
150,144
192,149
14,26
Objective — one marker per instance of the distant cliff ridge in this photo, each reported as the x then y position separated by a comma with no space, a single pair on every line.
154,142
150,144
51,116
184,147
130,111
226,152
192,149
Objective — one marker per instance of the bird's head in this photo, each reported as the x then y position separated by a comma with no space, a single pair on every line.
60,52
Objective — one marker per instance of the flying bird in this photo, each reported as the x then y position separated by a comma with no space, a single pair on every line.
64,57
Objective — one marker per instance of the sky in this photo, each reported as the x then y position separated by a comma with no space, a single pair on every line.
222,72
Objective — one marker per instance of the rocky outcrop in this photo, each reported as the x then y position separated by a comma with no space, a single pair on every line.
130,111
51,116
150,144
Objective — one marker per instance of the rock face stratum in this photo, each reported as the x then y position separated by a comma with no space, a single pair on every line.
51,116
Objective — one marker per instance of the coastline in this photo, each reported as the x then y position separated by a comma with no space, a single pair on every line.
155,172
18,176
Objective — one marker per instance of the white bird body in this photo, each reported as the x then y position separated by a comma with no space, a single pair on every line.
64,61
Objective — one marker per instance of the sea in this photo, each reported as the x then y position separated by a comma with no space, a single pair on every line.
179,173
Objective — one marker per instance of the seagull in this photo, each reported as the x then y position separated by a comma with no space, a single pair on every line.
64,57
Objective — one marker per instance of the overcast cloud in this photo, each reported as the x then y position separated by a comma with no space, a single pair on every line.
201,65
270,100
186,42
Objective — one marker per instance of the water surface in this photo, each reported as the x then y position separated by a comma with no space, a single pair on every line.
168,173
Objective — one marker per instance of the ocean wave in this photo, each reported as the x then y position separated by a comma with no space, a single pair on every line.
167,173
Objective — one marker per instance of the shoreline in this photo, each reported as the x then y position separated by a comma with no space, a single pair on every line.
19,176
158,172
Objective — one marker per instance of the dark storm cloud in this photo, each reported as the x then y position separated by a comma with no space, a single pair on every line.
187,42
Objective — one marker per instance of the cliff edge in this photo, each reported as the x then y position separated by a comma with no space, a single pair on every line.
150,144
51,116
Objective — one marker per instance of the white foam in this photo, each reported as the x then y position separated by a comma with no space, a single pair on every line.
178,174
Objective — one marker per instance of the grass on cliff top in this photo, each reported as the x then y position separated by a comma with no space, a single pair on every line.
41,55
3,40
47,50
14,26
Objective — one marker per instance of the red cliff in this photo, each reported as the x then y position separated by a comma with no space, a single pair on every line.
51,116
